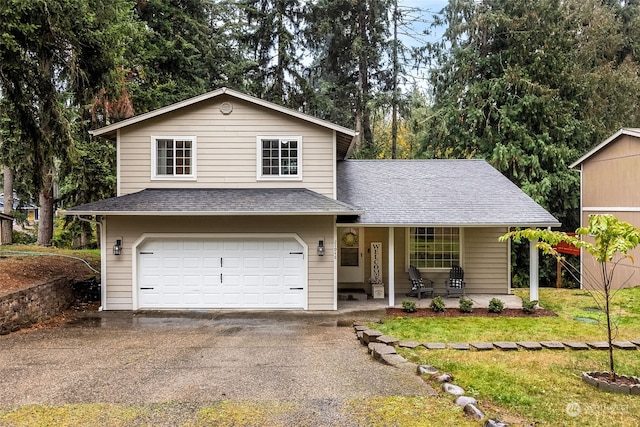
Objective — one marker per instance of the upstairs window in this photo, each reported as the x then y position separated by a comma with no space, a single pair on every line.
279,157
434,247
174,157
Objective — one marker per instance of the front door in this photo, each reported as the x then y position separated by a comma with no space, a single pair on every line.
350,255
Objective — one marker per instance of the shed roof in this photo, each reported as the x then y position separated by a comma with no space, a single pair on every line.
344,136
436,193
208,201
624,131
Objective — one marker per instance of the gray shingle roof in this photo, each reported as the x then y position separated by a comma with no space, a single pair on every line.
436,192
190,201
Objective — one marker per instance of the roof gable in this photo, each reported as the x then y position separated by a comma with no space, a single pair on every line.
635,132
344,136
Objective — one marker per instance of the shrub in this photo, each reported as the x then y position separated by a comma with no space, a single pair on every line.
496,306
529,306
409,306
466,305
437,305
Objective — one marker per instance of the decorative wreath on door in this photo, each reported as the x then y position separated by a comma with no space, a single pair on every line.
350,238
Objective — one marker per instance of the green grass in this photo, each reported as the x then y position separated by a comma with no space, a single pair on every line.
568,304
535,386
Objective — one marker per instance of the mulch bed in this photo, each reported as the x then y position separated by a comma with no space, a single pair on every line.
477,312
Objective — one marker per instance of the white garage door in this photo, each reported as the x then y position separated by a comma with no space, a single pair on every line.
221,273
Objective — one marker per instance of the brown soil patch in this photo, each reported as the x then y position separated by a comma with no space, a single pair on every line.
477,312
18,272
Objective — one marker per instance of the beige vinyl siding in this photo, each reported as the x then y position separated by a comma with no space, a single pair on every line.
311,229
610,181
610,178
626,271
485,261
226,148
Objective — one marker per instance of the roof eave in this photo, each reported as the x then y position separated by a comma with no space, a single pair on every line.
109,131
461,225
210,213
623,131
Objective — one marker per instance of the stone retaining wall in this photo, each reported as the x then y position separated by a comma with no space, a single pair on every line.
40,302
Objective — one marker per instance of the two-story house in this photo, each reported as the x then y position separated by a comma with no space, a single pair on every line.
228,201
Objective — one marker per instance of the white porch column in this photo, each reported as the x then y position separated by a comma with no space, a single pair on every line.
391,269
533,270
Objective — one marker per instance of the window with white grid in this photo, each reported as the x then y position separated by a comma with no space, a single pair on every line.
174,157
279,157
434,247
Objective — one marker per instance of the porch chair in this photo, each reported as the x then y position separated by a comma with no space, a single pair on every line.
417,284
455,283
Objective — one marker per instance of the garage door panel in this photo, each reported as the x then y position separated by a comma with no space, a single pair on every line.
252,262
255,273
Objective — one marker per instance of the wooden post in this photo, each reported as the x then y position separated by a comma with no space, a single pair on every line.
558,273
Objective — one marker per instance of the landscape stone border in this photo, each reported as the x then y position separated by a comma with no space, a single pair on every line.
383,348
612,387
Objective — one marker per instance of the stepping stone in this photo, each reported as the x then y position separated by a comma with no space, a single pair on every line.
434,345
359,334
473,412
408,344
427,370
552,345
378,349
452,389
465,400
443,378
481,346
360,327
624,345
387,340
530,345
506,345
636,342
598,345
459,345
576,345
393,359
370,336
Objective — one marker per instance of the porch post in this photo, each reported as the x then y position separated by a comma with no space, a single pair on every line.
533,270
391,269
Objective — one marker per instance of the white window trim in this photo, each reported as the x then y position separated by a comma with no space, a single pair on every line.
154,158
407,251
259,175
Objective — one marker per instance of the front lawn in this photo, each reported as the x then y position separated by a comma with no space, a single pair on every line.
536,386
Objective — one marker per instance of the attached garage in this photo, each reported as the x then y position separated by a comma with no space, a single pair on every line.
239,271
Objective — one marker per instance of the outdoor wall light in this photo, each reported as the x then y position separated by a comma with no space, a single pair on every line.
321,247
117,248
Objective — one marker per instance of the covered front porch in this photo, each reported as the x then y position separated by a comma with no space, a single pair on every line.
373,262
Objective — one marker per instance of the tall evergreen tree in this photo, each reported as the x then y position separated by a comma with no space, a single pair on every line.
521,85
54,55
349,41
272,39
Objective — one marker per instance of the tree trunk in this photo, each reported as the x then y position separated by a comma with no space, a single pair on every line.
45,225
7,226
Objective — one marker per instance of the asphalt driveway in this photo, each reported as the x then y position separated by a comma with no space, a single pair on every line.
200,357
